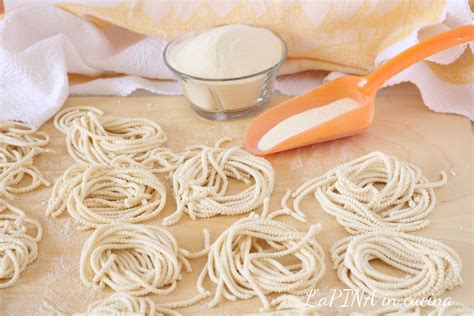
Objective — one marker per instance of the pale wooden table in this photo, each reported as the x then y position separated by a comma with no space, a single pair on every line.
403,127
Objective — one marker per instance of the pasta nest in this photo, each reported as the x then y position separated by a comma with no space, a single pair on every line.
106,194
259,255
132,259
429,266
374,192
201,185
19,237
92,138
19,144
125,304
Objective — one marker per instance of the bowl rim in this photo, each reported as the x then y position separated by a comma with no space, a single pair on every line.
182,36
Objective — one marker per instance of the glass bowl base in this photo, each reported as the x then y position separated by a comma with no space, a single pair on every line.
228,115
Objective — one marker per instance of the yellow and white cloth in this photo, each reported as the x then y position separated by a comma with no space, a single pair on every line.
114,47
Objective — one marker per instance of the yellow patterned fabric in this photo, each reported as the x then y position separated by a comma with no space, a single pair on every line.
344,36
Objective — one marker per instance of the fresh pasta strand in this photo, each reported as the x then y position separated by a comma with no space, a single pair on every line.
392,310
14,220
454,309
430,267
64,119
201,183
351,193
17,248
241,266
290,305
106,194
125,304
134,259
95,139
22,135
19,144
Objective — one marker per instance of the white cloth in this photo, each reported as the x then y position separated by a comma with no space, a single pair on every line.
40,45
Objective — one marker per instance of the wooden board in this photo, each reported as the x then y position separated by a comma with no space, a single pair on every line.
403,127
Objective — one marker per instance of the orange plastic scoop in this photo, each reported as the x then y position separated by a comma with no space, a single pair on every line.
289,117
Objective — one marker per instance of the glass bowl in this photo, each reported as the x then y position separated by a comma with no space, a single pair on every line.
226,98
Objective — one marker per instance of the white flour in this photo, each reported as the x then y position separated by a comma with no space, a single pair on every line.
229,51
304,121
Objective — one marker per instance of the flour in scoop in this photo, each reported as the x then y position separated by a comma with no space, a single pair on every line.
304,121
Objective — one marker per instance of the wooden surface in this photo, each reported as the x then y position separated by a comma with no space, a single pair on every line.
403,127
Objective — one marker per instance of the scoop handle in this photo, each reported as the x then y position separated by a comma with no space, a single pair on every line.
416,53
